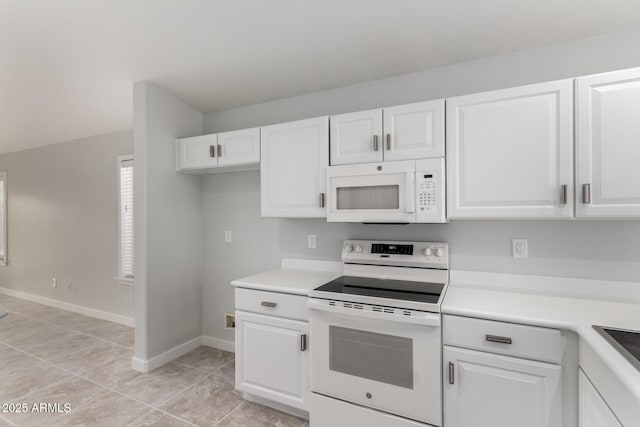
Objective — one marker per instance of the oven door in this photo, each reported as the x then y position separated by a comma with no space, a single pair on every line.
388,362
373,192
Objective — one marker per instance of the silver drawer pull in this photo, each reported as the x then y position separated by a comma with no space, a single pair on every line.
268,304
563,194
303,342
498,339
586,194
452,373
212,151
375,142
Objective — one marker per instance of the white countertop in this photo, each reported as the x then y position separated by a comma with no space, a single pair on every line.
294,277
571,304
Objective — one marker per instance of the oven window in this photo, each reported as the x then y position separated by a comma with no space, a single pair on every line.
378,357
368,197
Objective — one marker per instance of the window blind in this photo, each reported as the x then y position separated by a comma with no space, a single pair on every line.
3,223
127,261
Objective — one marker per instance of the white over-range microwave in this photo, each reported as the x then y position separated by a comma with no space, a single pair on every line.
410,191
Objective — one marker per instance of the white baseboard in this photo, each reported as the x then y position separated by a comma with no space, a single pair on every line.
166,357
219,344
142,365
92,312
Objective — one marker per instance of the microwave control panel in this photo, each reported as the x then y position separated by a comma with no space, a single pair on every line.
430,190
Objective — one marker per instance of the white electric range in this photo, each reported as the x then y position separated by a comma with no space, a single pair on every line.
376,337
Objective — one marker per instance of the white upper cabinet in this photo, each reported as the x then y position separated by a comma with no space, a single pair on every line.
510,153
608,145
483,389
198,152
239,147
356,137
293,173
231,150
414,131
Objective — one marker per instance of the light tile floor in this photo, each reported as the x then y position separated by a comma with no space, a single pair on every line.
55,356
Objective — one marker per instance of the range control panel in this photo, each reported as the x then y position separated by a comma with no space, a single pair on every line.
401,254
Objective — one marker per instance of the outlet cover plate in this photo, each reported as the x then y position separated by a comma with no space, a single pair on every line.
519,248
312,241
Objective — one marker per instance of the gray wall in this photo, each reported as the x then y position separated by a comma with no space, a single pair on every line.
63,222
595,249
168,222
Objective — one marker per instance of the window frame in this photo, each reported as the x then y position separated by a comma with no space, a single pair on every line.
121,279
4,224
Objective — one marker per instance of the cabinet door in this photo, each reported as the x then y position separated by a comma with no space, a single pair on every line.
270,360
484,389
239,147
510,153
356,138
293,170
608,145
414,131
198,152
593,410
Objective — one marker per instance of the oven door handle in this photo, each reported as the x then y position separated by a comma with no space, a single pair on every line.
426,319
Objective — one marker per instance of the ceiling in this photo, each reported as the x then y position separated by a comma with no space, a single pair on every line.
67,66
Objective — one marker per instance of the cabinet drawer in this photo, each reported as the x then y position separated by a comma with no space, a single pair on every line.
529,342
272,303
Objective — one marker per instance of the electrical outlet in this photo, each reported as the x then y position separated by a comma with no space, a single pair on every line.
519,248
54,283
312,241
228,237
69,286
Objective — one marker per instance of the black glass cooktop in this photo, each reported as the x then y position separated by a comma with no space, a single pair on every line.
384,288
625,341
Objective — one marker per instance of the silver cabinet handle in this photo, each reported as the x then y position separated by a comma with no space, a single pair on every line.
212,151
586,194
563,194
388,142
219,150
303,342
498,339
268,304
452,373
321,200
375,142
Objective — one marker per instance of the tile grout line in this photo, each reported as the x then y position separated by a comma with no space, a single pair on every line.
73,330
66,327
6,420
109,389
230,412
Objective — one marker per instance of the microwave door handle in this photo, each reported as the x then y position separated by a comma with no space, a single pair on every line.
411,192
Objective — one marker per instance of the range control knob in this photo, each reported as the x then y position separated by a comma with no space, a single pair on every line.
359,248
348,248
440,252
427,251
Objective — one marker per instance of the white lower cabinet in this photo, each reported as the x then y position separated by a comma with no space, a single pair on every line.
491,390
271,359
593,410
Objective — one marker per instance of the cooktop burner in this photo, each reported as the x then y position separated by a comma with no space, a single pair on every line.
385,288
625,341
